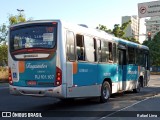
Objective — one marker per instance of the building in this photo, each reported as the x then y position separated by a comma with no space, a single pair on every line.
133,29
152,26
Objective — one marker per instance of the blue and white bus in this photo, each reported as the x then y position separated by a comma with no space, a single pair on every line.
58,59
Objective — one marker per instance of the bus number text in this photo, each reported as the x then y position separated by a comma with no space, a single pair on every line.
38,77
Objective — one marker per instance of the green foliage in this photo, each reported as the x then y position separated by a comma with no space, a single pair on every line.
3,32
14,19
104,28
3,55
118,31
154,46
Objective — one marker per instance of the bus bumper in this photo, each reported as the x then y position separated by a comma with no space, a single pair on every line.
39,92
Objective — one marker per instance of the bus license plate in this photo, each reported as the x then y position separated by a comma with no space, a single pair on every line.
31,82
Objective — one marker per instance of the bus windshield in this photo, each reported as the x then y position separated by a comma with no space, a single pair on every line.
33,37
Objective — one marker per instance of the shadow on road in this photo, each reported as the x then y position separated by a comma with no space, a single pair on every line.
76,104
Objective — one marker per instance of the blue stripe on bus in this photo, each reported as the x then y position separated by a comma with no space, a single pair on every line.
91,74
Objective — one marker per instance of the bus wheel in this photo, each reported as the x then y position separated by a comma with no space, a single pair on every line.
138,88
105,92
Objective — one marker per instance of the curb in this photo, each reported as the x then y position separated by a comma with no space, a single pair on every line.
3,81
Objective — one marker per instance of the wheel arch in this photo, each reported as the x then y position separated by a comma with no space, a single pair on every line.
109,81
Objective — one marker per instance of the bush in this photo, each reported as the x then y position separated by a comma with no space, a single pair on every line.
3,73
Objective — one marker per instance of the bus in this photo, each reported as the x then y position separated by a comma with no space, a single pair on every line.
58,59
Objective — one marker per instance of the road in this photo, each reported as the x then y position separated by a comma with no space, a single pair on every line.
118,105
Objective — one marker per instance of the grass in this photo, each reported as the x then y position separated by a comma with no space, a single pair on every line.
3,74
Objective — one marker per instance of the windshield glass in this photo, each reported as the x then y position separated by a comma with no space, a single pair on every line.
33,37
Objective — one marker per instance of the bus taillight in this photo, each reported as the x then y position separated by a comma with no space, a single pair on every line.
10,77
58,76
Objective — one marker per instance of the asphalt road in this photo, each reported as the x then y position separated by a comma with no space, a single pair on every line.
125,105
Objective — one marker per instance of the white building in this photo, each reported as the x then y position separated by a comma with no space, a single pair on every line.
152,26
133,29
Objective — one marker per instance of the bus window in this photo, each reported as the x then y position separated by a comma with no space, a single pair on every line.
33,37
140,58
146,60
114,53
95,50
110,52
70,46
137,56
131,55
98,47
80,47
89,49
104,51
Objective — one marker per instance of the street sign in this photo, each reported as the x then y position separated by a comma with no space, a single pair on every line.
149,9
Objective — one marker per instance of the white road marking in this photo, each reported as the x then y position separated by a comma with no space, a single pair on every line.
125,108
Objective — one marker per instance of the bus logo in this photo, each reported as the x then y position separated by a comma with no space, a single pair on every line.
30,56
32,67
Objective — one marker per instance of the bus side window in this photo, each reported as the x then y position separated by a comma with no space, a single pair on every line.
110,52
98,50
104,51
89,49
114,53
140,58
137,57
131,55
80,47
71,56
95,50
146,60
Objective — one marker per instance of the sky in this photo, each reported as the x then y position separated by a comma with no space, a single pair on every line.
89,12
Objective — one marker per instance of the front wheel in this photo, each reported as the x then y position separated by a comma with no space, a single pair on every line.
105,92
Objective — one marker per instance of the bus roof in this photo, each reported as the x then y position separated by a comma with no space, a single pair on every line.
89,31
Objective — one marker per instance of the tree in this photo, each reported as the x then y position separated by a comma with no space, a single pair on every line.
154,46
118,31
13,19
104,28
3,32
3,55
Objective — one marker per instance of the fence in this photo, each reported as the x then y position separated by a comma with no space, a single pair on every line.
155,70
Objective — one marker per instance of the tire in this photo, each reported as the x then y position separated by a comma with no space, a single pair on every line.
105,92
138,88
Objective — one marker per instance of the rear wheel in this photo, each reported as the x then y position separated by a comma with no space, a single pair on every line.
105,92
138,88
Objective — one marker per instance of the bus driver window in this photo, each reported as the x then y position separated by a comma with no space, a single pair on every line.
80,54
